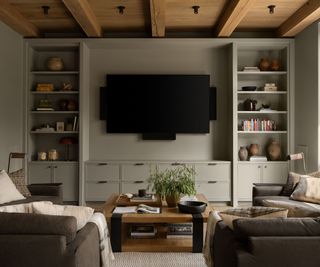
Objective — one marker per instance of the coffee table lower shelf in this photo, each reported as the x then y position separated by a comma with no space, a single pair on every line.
157,245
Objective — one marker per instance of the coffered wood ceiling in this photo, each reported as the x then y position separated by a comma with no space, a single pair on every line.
155,18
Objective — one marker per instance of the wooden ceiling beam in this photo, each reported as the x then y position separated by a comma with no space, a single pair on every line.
158,17
15,20
302,18
83,14
232,16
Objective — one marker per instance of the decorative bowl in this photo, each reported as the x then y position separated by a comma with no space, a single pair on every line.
192,206
249,88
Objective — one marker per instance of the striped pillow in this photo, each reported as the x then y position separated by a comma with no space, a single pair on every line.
18,178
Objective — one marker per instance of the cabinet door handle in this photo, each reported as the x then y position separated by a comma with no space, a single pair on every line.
176,164
102,164
138,182
49,167
259,167
265,166
212,182
55,167
102,182
139,164
212,164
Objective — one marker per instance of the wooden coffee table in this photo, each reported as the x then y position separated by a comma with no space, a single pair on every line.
119,224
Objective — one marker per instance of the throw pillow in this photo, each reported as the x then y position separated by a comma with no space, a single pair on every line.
252,212
82,214
293,180
20,208
8,191
18,178
308,190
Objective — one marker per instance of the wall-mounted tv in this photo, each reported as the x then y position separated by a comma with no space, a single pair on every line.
156,104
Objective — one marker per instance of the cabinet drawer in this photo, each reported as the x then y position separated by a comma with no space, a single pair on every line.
102,171
129,187
213,172
136,171
100,190
171,166
218,191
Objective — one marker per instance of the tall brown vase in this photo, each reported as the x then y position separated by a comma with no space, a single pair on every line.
172,200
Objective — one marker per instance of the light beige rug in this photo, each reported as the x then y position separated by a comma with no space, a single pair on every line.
139,259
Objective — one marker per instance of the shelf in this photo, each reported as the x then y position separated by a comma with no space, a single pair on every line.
158,245
262,112
54,132
54,92
55,72
262,132
262,92
53,112
54,162
262,72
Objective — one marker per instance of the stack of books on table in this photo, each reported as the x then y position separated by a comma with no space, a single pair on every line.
146,198
143,231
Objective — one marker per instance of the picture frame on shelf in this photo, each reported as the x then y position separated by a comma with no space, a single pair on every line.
59,126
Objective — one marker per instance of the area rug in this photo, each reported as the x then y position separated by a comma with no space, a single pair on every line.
138,259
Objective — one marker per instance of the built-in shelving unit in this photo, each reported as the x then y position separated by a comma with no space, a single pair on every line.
62,121
267,120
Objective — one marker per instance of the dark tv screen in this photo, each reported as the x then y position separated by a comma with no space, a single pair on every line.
157,103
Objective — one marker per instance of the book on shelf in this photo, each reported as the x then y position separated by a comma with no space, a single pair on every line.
75,123
44,109
179,230
258,158
143,231
251,69
141,208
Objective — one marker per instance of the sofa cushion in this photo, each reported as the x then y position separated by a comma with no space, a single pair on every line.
18,178
8,191
293,179
53,199
277,227
29,223
308,189
252,212
82,214
295,208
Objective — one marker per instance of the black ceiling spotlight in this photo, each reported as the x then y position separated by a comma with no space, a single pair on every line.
121,9
45,10
195,9
271,9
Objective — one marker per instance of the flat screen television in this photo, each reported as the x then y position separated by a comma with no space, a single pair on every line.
156,104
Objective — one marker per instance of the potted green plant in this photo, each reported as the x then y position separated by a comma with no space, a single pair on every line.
172,183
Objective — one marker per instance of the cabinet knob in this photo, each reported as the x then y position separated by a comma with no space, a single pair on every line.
102,182
102,164
259,167
55,167
138,182
265,166
212,182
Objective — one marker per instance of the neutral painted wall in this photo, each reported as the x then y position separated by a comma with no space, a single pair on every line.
11,99
307,95
172,56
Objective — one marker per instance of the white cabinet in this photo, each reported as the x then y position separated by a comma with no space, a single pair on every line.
101,180
66,173
214,180
134,176
250,173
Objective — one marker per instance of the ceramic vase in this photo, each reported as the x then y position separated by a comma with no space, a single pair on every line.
253,149
274,65
274,150
243,153
264,64
55,64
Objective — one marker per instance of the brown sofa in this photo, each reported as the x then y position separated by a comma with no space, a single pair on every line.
267,243
271,195
38,240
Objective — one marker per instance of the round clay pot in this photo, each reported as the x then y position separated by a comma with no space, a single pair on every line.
274,150
172,200
253,149
243,153
275,65
72,105
55,64
264,64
